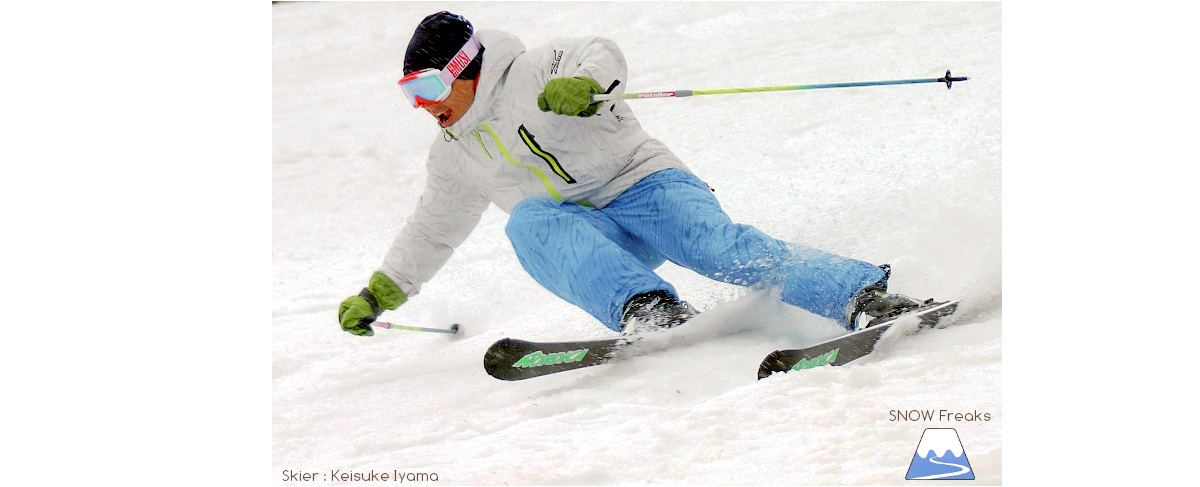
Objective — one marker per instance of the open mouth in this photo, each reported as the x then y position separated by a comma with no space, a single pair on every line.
443,117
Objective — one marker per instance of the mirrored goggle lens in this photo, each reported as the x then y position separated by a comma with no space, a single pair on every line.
424,88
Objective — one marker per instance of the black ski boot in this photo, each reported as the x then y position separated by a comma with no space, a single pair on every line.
654,311
874,305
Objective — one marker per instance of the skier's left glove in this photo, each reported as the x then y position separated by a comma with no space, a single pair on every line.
358,312
570,96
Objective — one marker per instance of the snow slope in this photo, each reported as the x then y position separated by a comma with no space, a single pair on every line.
907,175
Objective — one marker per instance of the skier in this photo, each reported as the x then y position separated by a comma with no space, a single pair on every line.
595,204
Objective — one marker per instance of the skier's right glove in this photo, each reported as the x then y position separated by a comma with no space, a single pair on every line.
570,96
358,312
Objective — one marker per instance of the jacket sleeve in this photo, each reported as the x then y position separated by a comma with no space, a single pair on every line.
595,57
446,214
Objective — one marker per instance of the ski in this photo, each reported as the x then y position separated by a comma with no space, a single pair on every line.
850,347
512,359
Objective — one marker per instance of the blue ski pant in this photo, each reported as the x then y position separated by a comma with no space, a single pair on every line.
597,259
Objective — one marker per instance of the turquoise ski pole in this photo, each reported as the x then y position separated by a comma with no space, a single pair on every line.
392,326
682,93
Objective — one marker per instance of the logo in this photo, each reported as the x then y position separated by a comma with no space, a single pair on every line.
557,57
538,359
940,455
458,64
826,359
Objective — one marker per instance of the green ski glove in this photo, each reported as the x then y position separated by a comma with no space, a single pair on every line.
358,312
570,96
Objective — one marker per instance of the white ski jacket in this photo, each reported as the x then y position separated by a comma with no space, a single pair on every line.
504,149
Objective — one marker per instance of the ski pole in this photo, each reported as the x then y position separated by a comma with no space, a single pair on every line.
392,326
682,93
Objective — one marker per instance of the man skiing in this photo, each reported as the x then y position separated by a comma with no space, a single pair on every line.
595,203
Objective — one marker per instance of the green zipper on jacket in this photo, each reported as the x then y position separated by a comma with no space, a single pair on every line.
489,153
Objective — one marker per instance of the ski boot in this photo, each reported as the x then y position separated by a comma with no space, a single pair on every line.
654,311
873,305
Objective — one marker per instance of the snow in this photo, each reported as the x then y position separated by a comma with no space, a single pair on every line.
907,175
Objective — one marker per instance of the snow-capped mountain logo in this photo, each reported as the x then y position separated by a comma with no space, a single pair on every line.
940,455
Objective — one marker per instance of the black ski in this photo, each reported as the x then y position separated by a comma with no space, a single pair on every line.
511,359
847,348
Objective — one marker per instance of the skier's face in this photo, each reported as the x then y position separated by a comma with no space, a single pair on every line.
448,111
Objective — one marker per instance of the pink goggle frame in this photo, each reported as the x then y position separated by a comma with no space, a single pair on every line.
431,85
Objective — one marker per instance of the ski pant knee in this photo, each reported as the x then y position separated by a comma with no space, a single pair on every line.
583,257
531,213
526,213
676,212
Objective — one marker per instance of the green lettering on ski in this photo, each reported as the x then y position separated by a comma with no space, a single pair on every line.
538,359
825,359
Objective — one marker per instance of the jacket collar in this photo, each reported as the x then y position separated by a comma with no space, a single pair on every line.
500,50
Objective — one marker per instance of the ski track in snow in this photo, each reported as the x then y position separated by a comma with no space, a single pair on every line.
905,175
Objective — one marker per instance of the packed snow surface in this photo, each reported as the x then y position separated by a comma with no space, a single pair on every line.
907,175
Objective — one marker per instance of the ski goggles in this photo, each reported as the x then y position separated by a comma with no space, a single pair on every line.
431,85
